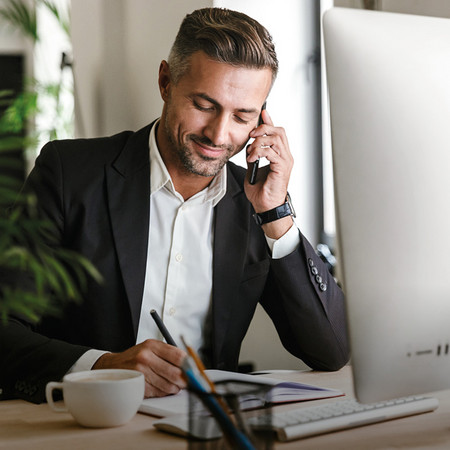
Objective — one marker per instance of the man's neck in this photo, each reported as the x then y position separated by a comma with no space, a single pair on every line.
189,184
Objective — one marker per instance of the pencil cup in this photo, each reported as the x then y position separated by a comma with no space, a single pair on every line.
228,419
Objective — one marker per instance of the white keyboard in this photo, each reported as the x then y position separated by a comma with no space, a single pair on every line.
339,415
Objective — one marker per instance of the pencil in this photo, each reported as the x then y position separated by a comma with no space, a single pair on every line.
200,366
162,328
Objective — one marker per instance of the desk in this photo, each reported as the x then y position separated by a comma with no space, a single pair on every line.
25,426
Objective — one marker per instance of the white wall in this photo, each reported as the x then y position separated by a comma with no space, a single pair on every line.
118,46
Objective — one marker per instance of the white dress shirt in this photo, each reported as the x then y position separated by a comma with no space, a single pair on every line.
178,278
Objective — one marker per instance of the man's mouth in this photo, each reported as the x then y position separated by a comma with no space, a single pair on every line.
206,148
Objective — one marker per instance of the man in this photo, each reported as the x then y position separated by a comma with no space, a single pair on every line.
169,222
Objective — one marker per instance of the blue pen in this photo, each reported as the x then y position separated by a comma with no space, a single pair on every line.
216,410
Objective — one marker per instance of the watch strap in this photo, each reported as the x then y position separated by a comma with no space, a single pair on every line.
279,212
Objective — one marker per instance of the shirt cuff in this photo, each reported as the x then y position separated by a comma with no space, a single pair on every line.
286,244
86,361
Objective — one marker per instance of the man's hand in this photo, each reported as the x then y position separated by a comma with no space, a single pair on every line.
272,181
159,362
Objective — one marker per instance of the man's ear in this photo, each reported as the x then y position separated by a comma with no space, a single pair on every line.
164,80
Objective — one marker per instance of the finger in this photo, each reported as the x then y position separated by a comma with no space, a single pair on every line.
275,138
165,362
266,117
160,382
169,353
160,385
252,153
160,363
264,144
153,391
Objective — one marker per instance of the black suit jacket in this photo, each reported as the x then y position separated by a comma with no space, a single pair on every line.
97,193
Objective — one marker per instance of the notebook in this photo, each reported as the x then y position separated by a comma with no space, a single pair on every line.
281,392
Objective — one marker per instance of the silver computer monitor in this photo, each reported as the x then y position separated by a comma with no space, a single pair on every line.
389,92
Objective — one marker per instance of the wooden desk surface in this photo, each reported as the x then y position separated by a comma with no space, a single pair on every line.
27,426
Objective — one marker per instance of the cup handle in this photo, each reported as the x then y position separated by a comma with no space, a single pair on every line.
49,394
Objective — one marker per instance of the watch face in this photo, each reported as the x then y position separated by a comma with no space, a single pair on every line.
258,219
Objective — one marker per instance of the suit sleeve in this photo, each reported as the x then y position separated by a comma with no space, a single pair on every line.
29,361
307,308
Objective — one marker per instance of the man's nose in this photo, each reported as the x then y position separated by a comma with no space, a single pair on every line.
217,130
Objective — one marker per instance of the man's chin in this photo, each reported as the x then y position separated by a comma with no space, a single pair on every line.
207,170
205,173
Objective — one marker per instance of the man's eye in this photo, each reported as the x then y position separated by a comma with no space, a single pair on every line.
203,107
241,120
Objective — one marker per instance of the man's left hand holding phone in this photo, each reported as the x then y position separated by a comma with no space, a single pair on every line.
270,184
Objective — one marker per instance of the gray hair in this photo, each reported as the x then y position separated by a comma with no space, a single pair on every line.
225,36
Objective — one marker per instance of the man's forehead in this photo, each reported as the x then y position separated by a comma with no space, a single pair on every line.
200,61
240,88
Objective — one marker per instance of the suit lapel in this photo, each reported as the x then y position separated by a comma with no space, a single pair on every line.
229,254
128,190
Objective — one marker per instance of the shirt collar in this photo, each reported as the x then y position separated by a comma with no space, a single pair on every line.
160,177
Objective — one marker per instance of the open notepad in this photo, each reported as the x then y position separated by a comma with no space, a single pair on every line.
282,392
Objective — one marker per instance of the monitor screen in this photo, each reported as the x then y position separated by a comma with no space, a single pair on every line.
389,93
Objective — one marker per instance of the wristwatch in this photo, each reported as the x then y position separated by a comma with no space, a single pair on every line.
284,210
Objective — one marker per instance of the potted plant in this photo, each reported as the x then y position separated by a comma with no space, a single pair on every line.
53,274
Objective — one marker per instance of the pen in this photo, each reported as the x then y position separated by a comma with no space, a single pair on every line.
162,328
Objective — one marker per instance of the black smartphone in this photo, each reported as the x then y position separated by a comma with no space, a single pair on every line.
256,163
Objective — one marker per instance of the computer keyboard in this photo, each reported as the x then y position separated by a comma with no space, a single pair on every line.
338,415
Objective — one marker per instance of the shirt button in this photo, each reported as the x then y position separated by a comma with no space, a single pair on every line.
178,257
314,270
323,287
318,278
172,311
310,262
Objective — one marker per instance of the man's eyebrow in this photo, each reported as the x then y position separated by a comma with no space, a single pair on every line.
216,103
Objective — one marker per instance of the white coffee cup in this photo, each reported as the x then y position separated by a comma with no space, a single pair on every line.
99,398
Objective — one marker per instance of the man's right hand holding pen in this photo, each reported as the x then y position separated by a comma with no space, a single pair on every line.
159,362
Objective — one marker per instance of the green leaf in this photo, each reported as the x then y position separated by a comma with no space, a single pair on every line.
21,15
61,16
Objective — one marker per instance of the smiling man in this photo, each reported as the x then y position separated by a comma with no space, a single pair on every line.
172,225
